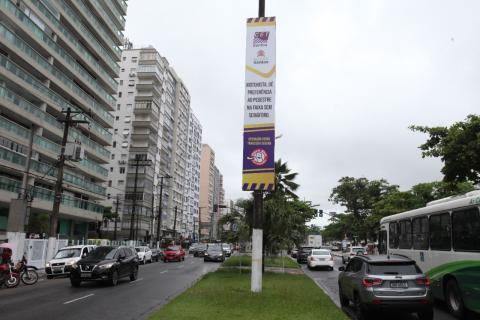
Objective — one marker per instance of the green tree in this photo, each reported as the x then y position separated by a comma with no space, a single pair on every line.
284,180
458,146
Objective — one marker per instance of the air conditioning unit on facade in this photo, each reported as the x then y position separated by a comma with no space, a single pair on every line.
74,151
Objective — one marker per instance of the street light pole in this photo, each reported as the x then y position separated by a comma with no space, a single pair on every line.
257,232
134,232
116,218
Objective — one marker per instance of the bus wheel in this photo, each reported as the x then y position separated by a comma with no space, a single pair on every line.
454,300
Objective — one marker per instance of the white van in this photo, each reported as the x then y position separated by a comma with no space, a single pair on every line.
62,262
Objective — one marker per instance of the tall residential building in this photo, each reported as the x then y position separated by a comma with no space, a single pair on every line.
193,176
152,124
211,194
55,55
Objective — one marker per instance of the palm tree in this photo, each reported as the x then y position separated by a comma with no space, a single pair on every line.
284,183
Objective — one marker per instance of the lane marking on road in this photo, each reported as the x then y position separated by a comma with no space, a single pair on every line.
88,295
192,262
165,271
136,280
180,267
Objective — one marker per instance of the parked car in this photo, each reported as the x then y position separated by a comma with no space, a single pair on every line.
107,264
173,253
303,254
227,249
62,262
294,253
350,252
320,258
200,250
144,254
155,254
214,252
392,282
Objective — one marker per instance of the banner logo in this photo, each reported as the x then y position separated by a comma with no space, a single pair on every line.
260,39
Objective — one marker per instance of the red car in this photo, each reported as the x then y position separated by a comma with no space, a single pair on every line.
173,253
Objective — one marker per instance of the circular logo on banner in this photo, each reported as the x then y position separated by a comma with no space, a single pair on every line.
259,157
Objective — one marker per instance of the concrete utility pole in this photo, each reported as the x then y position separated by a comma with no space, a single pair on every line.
257,233
159,220
116,217
139,161
175,226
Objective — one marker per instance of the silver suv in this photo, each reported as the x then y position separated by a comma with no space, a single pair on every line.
394,282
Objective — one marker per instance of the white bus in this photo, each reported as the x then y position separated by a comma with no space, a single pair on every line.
444,239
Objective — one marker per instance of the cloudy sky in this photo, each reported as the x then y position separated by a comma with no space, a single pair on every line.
351,77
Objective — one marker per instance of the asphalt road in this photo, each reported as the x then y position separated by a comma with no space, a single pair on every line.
328,281
157,283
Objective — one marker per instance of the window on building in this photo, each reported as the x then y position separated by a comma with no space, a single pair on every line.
440,232
108,196
126,132
134,59
130,93
124,58
124,156
117,118
127,119
115,131
405,237
129,106
393,235
122,169
466,226
121,82
114,144
111,169
109,183
113,156
125,144
420,233
131,83
133,69
122,70
120,94
121,183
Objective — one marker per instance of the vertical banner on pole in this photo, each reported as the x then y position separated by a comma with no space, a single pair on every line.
259,114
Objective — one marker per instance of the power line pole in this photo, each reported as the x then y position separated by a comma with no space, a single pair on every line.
175,226
159,220
117,204
68,121
139,161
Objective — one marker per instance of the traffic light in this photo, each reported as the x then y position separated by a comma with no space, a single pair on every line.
320,213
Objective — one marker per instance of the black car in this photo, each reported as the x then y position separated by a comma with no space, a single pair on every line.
214,253
107,264
303,254
200,250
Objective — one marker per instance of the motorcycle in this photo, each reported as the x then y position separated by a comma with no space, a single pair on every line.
9,277
28,274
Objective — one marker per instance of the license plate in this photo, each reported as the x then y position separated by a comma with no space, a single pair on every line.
399,284
85,274
57,270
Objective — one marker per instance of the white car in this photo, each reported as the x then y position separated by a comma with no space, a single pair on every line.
350,252
144,254
62,262
320,258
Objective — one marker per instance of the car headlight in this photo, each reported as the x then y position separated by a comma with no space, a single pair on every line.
47,265
71,262
74,265
221,254
206,253
106,266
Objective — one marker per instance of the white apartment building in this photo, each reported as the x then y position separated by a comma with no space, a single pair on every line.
152,119
55,55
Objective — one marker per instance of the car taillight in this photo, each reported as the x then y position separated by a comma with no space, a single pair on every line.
423,282
352,254
370,282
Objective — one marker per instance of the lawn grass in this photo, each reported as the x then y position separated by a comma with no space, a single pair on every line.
246,261
225,294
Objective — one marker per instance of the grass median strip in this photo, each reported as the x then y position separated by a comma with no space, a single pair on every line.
225,294
246,261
